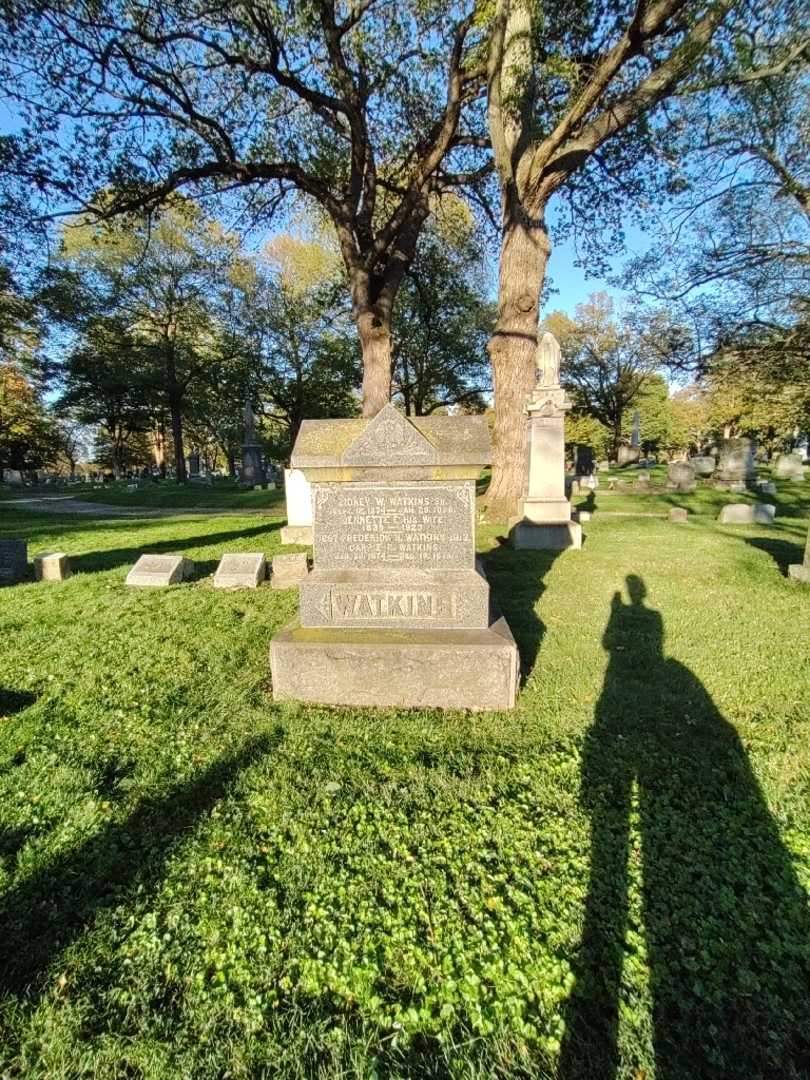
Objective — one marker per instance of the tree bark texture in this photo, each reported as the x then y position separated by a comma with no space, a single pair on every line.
525,248
375,341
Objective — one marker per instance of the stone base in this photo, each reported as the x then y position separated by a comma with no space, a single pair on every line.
416,669
296,534
799,572
53,566
555,536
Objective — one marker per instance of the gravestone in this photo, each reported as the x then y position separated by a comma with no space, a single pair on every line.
801,571
252,468
193,466
13,561
545,511
395,612
155,570
678,515
789,467
298,497
737,460
766,487
747,514
681,476
240,571
289,570
703,464
583,460
628,455
52,566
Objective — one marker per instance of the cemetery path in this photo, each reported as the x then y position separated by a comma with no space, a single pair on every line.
66,504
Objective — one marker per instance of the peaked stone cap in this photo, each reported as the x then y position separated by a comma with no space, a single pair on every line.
391,440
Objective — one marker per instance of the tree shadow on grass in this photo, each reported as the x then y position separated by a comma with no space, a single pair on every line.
14,701
49,909
517,580
115,557
783,552
725,917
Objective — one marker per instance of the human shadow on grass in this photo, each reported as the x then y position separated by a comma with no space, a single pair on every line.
115,557
48,910
783,552
725,917
14,701
517,580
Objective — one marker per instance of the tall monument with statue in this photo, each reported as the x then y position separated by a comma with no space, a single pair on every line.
252,467
544,519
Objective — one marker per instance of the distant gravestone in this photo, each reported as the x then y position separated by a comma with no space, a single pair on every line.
240,571
703,464
767,487
628,455
13,561
583,460
52,566
801,571
747,514
289,570
737,460
681,476
678,515
789,467
298,497
155,570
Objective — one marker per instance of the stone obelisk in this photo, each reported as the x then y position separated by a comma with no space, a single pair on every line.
545,512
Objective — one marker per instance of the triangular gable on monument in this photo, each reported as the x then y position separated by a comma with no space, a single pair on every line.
390,439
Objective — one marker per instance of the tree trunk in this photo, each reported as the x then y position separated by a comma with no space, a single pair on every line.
617,435
525,249
374,331
174,395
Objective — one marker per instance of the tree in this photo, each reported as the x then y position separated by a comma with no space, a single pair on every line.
442,321
358,107
159,287
104,384
27,436
572,111
607,363
310,366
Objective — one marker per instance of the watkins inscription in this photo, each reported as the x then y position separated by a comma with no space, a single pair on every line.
426,526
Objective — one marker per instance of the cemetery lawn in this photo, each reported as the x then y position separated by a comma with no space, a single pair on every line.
222,495
609,882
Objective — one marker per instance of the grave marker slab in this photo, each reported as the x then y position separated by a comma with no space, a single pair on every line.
240,571
13,561
747,514
678,515
289,570
157,570
52,566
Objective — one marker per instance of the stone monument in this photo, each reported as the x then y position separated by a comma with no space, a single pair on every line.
703,464
681,476
13,561
737,461
298,498
747,514
545,511
193,465
789,467
801,571
52,566
289,570
252,468
156,570
242,570
395,611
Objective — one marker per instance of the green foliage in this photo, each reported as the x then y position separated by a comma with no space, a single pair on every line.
443,319
198,881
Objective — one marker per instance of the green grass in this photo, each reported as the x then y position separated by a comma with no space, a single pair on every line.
609,881
223,494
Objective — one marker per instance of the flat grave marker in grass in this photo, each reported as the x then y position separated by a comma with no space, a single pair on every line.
242,571
158,570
